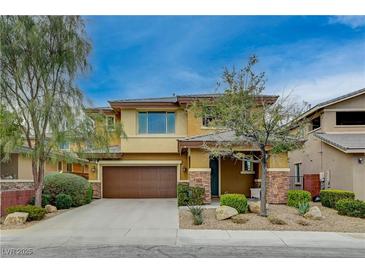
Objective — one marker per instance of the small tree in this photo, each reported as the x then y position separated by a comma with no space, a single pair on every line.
266,123
41,57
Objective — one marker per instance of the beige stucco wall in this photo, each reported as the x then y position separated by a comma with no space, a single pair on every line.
195,125
24,168
329,116
279,160
151,143
359,177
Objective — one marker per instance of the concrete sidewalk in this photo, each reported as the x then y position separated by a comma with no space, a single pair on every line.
271,238
184,237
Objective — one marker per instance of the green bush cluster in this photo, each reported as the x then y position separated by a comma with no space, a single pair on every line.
329,197
76,186
237,201
295,197
63,201
35,212
197,212
188,195
351,207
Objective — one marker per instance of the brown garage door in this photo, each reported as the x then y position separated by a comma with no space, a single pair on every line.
139,182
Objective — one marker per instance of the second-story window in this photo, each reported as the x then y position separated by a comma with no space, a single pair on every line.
316,123
65,146
156,122
110,122
350,118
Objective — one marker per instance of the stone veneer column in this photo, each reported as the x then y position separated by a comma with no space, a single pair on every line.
277,185
96,189
201,177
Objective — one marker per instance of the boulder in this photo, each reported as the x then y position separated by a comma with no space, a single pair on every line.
50,208
239,219
16,218
225,212
255,207
314,213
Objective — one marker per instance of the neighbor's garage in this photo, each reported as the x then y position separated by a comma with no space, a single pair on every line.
139,181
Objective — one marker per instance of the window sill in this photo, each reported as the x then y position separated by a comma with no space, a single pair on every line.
349,126
247,172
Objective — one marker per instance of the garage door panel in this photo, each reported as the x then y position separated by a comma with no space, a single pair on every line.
139,182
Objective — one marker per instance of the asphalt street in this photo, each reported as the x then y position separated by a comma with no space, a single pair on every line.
122,251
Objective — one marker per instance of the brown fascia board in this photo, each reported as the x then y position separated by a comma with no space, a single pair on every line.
100,110
270,99
131,105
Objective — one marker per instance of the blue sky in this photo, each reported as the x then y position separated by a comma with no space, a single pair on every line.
313,57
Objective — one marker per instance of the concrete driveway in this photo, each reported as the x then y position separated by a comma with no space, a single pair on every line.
105,221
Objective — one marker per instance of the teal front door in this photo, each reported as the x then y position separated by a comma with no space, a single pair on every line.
214,181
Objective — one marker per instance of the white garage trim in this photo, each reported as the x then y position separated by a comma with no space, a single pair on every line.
101,164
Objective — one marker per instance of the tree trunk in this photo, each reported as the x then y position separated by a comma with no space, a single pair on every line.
263,209
38,177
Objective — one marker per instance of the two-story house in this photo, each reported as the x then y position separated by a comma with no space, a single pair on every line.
164,147
335,144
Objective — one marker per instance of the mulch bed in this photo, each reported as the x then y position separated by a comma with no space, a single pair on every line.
332,222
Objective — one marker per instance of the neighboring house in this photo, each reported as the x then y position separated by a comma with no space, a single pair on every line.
19,166
164,147
335,144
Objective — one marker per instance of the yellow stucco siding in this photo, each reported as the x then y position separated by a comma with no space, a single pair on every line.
232,180
279,160
199,158
24,168
195,125
151,143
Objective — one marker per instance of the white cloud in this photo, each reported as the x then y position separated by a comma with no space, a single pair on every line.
351,21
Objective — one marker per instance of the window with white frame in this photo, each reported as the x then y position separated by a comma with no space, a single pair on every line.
297,173
156,122
65,146
247,165
110,122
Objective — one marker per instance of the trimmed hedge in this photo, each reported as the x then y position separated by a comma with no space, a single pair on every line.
35,212
75,186
63,201
350,207
188,195
237,201
296,197
329,197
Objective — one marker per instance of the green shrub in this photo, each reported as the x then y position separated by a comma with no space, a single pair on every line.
35,212
350,207
63,201
89,195
237,201
188,195
298,196
75,186
197,212
303,208
46,200
329,197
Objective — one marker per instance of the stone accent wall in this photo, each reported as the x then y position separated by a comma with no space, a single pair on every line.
201,178
96,189
15,185
277,187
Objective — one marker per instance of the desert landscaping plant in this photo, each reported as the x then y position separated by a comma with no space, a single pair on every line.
265,124
35,213
237,201
275,220
303,207
75,186
350,207
295,197
188,195
329,197
197,212
63,201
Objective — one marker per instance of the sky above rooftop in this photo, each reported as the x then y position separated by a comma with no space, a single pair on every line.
313,57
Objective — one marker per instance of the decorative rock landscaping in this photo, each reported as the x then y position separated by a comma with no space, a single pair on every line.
225,212
50,208
314,213
16,218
